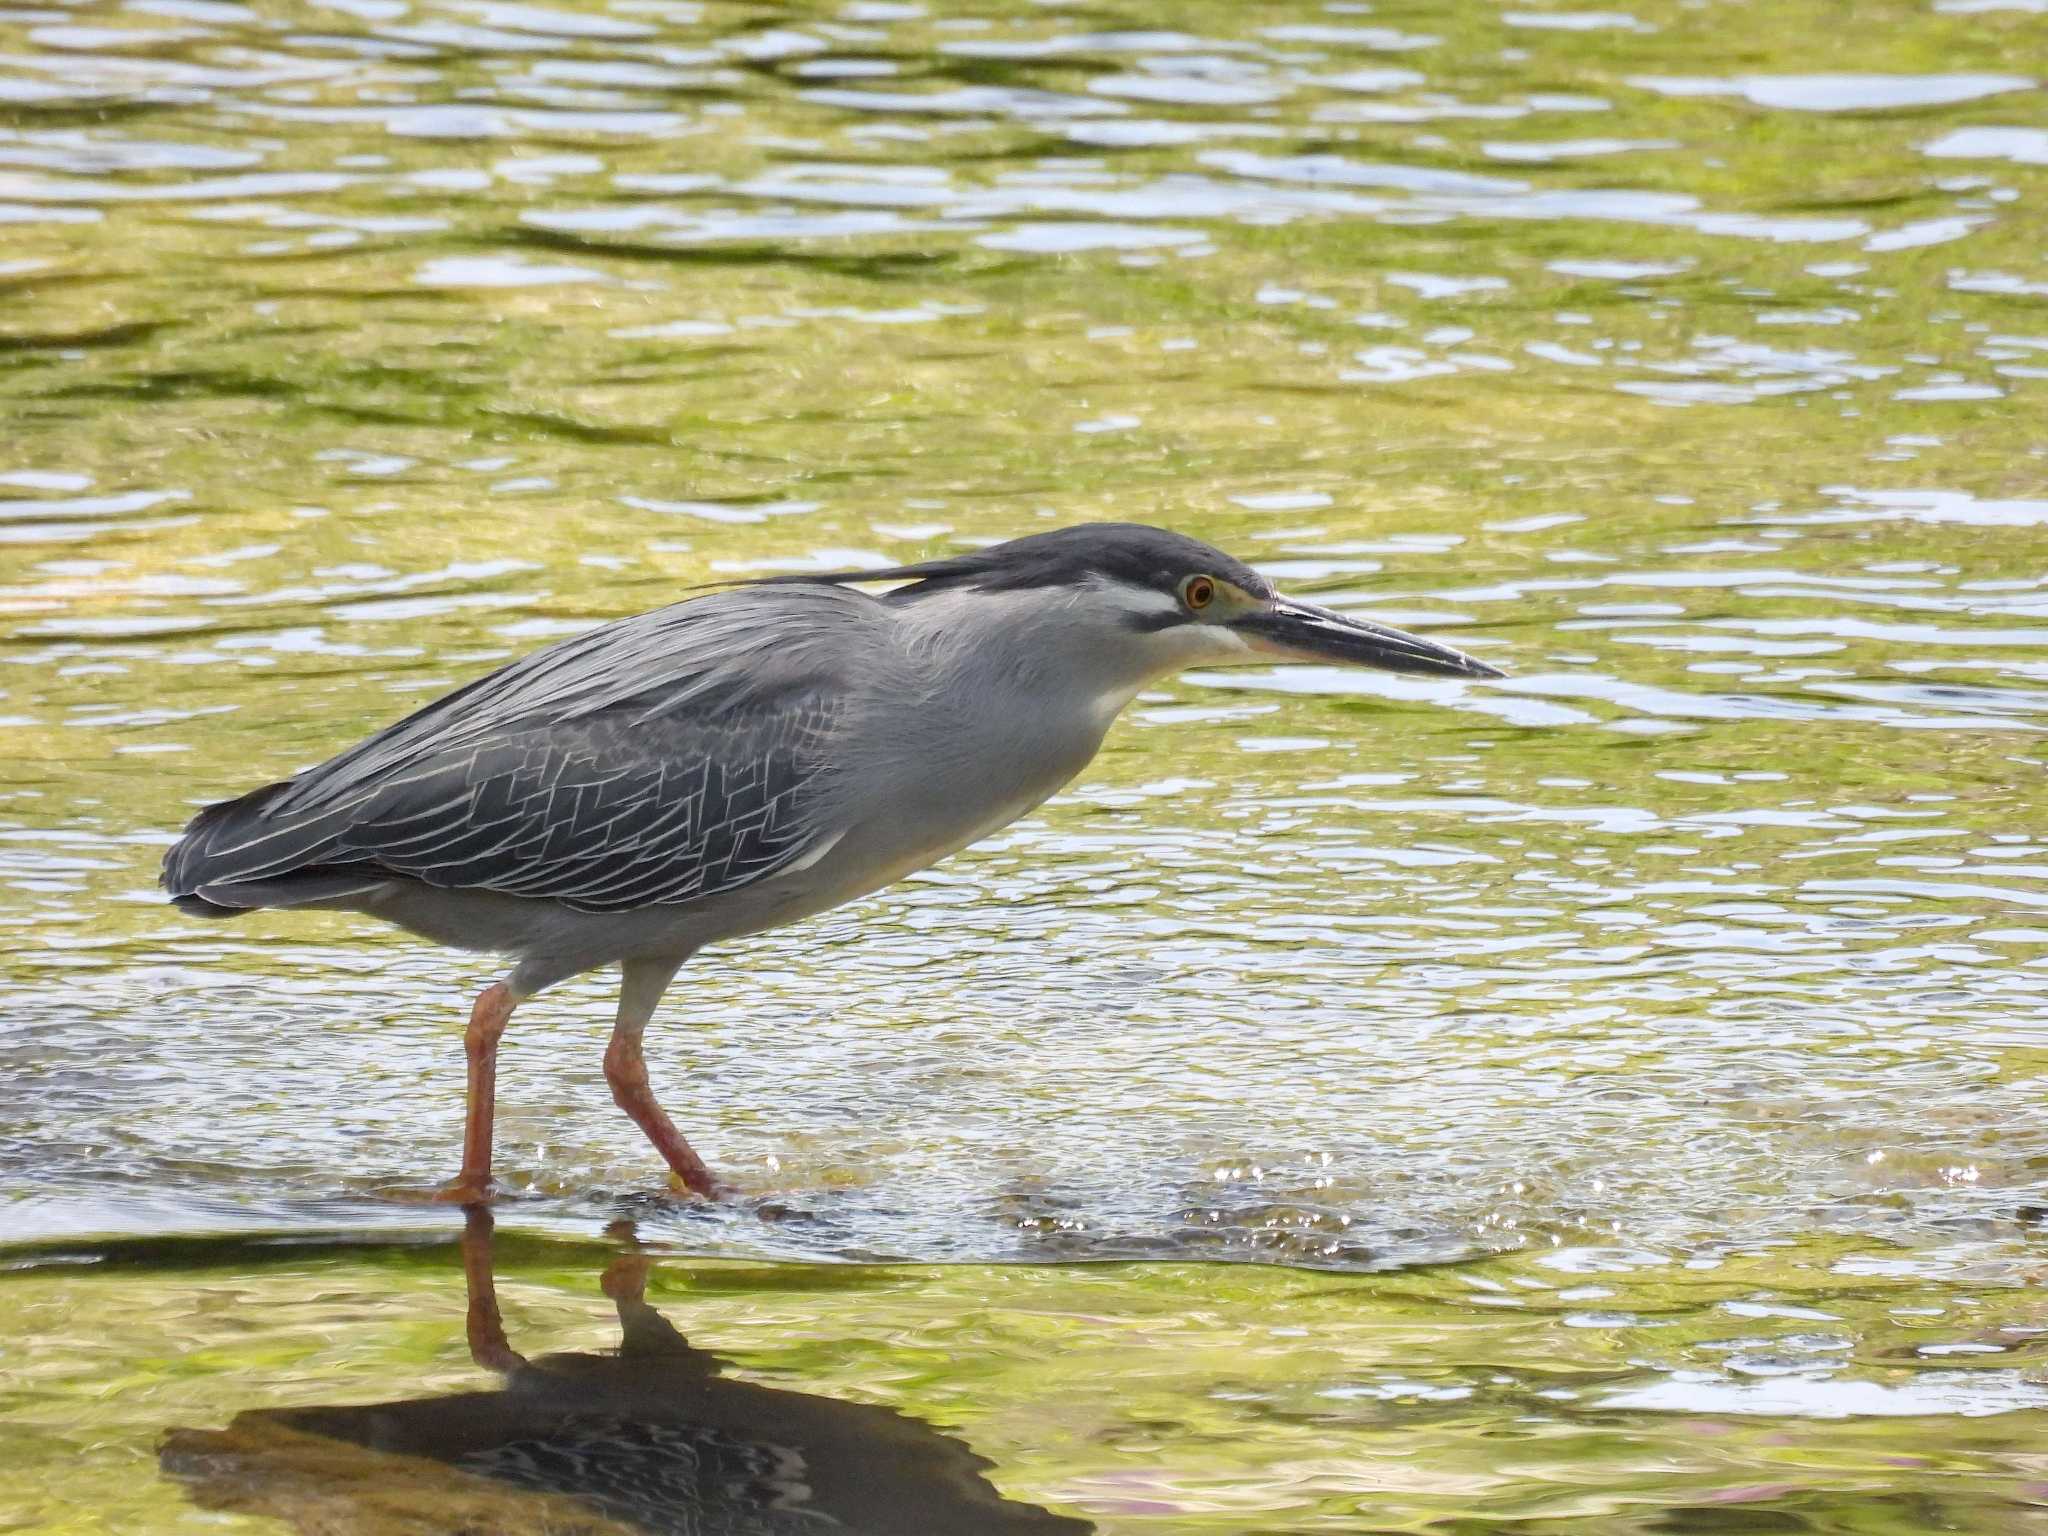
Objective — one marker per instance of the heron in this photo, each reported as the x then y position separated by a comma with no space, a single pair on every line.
742,759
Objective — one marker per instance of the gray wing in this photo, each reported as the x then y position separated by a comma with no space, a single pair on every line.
659,759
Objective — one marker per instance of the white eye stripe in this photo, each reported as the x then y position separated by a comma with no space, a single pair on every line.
1142,602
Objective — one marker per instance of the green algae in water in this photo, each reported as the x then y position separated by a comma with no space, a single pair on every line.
1603,1391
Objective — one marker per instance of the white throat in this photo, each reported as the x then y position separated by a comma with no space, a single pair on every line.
1089,651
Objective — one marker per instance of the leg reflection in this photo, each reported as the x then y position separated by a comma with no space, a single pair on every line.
487,1345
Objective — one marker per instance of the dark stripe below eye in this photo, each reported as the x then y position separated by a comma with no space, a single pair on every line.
1147,623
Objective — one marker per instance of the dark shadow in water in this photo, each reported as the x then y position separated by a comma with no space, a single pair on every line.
649,1440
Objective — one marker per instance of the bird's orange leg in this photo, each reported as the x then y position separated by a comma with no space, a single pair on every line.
487,1021
626,1070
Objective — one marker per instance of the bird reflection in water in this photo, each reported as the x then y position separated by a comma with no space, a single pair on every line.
649,1440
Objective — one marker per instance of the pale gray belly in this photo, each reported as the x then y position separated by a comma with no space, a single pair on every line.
928,810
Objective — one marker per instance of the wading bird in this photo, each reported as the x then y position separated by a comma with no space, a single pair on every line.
741,760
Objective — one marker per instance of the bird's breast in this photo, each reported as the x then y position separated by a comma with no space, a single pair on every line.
910,804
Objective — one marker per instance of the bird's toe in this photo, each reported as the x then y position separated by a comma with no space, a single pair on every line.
701,1184
463,1191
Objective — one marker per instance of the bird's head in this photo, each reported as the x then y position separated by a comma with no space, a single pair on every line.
1161,601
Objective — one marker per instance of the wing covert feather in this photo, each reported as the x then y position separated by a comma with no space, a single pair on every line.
661,759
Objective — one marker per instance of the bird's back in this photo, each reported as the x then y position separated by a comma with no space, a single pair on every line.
658,759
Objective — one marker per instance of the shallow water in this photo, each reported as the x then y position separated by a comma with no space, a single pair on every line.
1662,1026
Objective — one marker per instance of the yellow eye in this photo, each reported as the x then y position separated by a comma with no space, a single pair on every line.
1197,591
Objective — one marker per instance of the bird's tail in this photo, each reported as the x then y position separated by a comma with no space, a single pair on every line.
232,859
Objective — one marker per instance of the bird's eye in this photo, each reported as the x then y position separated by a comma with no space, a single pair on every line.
1197,591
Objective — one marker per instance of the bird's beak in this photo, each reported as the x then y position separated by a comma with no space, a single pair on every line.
1303,632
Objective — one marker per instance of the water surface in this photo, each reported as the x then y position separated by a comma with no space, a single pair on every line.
1662,1026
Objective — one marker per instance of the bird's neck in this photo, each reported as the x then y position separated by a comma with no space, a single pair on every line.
1066,663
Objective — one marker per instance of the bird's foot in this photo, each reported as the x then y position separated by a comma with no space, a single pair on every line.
699,1182
463,1189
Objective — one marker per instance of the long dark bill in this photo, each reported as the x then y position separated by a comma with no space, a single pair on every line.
1319,634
